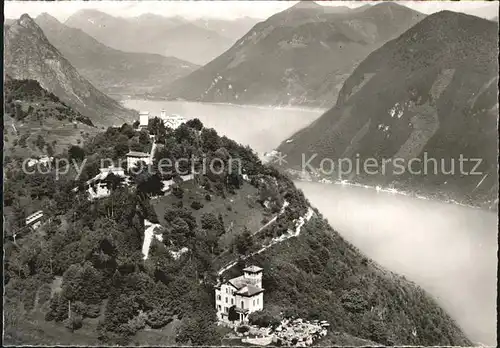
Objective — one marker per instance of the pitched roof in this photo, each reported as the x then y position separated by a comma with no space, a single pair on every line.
249,290
238,282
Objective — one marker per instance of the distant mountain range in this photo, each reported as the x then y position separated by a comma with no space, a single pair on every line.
196,41
28,54
111,70
300,56
431,93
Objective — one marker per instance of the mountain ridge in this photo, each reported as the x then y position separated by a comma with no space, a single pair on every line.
111,70
295,57
29,55
431,91
160,35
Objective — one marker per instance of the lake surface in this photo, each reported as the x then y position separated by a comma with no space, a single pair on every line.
449,250
260,127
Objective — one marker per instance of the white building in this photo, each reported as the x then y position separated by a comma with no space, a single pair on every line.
134,157
97,188
34,220
143,119
172,121
245,293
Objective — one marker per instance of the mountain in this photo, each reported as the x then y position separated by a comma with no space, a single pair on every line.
110,70
431,93
194,41
231,29
300,56
28,54
93,267
37,123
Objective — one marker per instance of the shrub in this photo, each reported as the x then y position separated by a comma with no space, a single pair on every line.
208,198
243,329
196,205
263,319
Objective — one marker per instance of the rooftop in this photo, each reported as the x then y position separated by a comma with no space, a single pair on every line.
249,290
252,269
137,154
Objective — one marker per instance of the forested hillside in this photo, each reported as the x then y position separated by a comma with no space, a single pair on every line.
82,279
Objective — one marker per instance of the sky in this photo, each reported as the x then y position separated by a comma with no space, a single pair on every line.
220,9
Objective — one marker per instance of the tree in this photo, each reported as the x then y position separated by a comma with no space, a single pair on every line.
244,242
195,124
76,153
232,314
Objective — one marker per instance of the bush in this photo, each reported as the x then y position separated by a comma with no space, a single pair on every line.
242,329
158,318
208,198
74,323
263,319
196,205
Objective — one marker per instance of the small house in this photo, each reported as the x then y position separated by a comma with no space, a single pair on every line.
34,220
135,157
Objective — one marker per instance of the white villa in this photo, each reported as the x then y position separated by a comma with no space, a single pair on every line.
244,292
172,121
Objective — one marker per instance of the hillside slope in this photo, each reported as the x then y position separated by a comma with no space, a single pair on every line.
110,70
300,56
89,255
36,122
192,41
28,54
431,93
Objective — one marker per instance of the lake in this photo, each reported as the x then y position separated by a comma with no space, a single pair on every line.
449,250
260,127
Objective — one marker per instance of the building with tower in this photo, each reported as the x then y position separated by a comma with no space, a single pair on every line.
244,293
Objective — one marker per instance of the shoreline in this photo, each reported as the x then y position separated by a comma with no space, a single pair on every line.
400,193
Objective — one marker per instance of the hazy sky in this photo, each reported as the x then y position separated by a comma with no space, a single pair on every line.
220,9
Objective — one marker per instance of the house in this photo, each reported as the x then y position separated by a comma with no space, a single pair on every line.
97,187
245,293
172,121
34,220
134,157
143,119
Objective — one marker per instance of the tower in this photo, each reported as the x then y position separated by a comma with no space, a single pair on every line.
143,119
163,114
253,275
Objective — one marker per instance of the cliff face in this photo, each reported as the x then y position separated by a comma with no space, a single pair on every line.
429,95
300,56
28,54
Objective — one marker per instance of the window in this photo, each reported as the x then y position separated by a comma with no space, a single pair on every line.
257,300
232,301
226,299
242,305
218,297
218,308
226,310
254,302
227,291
